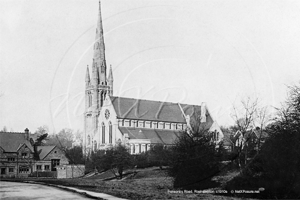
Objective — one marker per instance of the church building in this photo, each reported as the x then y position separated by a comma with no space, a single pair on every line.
136,123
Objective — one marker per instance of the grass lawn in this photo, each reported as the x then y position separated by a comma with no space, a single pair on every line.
150,183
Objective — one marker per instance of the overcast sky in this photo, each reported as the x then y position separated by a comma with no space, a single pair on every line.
179,51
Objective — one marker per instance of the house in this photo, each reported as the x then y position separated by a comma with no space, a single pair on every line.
17,155
228,141
255,137
49,158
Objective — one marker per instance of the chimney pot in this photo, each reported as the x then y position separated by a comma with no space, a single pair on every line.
26,134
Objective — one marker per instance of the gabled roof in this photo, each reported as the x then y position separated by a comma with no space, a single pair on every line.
130,108
154,135
43,151
263,134
250,133
11,142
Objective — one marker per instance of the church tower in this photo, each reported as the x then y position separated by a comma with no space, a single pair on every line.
97,86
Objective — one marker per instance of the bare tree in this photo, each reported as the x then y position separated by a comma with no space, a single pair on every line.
41,130
262,118
4,129
244,115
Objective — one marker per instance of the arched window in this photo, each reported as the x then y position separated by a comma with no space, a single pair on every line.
110,132
103,133
95,145
88,140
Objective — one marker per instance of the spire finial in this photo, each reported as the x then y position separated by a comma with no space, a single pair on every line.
87,76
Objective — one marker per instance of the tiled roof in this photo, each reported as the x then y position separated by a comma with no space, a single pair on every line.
152,110
44,151
10,142
161,136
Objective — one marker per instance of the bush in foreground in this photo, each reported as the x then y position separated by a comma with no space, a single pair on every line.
194,161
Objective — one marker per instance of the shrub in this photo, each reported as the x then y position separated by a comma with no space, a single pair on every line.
194,161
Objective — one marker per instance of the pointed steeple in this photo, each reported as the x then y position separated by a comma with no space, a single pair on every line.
99,49
110,80
110,75
87,76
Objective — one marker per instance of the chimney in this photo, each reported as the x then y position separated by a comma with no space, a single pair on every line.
203,113
26,133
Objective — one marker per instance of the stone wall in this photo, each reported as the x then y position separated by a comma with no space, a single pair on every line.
70,171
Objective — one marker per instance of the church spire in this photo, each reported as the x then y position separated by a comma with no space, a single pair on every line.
110,75
87,76
99,48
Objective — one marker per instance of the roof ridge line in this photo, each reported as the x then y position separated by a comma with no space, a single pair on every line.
186,104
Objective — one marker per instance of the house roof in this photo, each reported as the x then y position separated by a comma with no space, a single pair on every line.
161,136
11,141
152,110
250,133
43,151
264,134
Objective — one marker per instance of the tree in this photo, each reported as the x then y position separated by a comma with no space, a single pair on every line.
194,160
78,137
63,139
42,130
4,129
159,155
75,155
38,142
121,159
263,117
115,159
244,116
277,166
